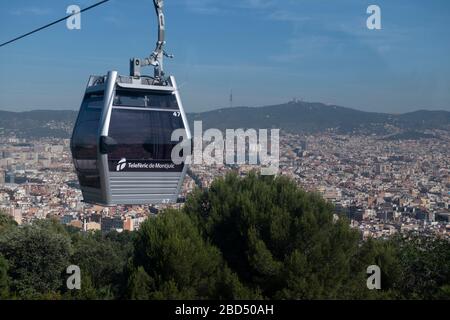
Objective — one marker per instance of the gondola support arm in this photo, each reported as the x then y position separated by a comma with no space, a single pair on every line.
156,57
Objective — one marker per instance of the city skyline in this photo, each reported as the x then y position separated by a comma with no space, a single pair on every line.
312,51
384,186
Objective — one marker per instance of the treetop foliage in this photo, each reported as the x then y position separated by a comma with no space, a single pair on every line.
255,237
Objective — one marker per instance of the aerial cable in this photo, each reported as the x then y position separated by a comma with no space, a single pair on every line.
52,23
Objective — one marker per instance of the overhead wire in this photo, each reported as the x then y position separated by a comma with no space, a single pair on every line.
52,23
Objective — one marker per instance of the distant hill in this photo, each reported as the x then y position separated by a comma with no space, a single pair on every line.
423,119
301,117
38,123
295,117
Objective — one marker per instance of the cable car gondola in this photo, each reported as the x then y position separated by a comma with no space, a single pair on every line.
121,143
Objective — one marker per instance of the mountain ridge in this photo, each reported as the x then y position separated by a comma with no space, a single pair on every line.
314,116
294,117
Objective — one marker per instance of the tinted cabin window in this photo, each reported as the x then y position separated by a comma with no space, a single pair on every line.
145,99
84,140
143,134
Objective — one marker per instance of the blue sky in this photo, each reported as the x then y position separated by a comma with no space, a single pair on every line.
266,51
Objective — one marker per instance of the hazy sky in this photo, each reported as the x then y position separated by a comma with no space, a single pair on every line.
266,51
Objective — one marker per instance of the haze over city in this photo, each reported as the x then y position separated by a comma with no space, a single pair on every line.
310,50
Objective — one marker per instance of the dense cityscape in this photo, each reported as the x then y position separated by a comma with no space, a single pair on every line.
383,186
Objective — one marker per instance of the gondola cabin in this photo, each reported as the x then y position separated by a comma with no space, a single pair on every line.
121,143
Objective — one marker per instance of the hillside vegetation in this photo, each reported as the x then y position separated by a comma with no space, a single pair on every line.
243,238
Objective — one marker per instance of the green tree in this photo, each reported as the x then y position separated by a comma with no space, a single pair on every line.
140,285
102,259
179,264
425,267
279,240
383,254
86,292
37,257
6,222
4,279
